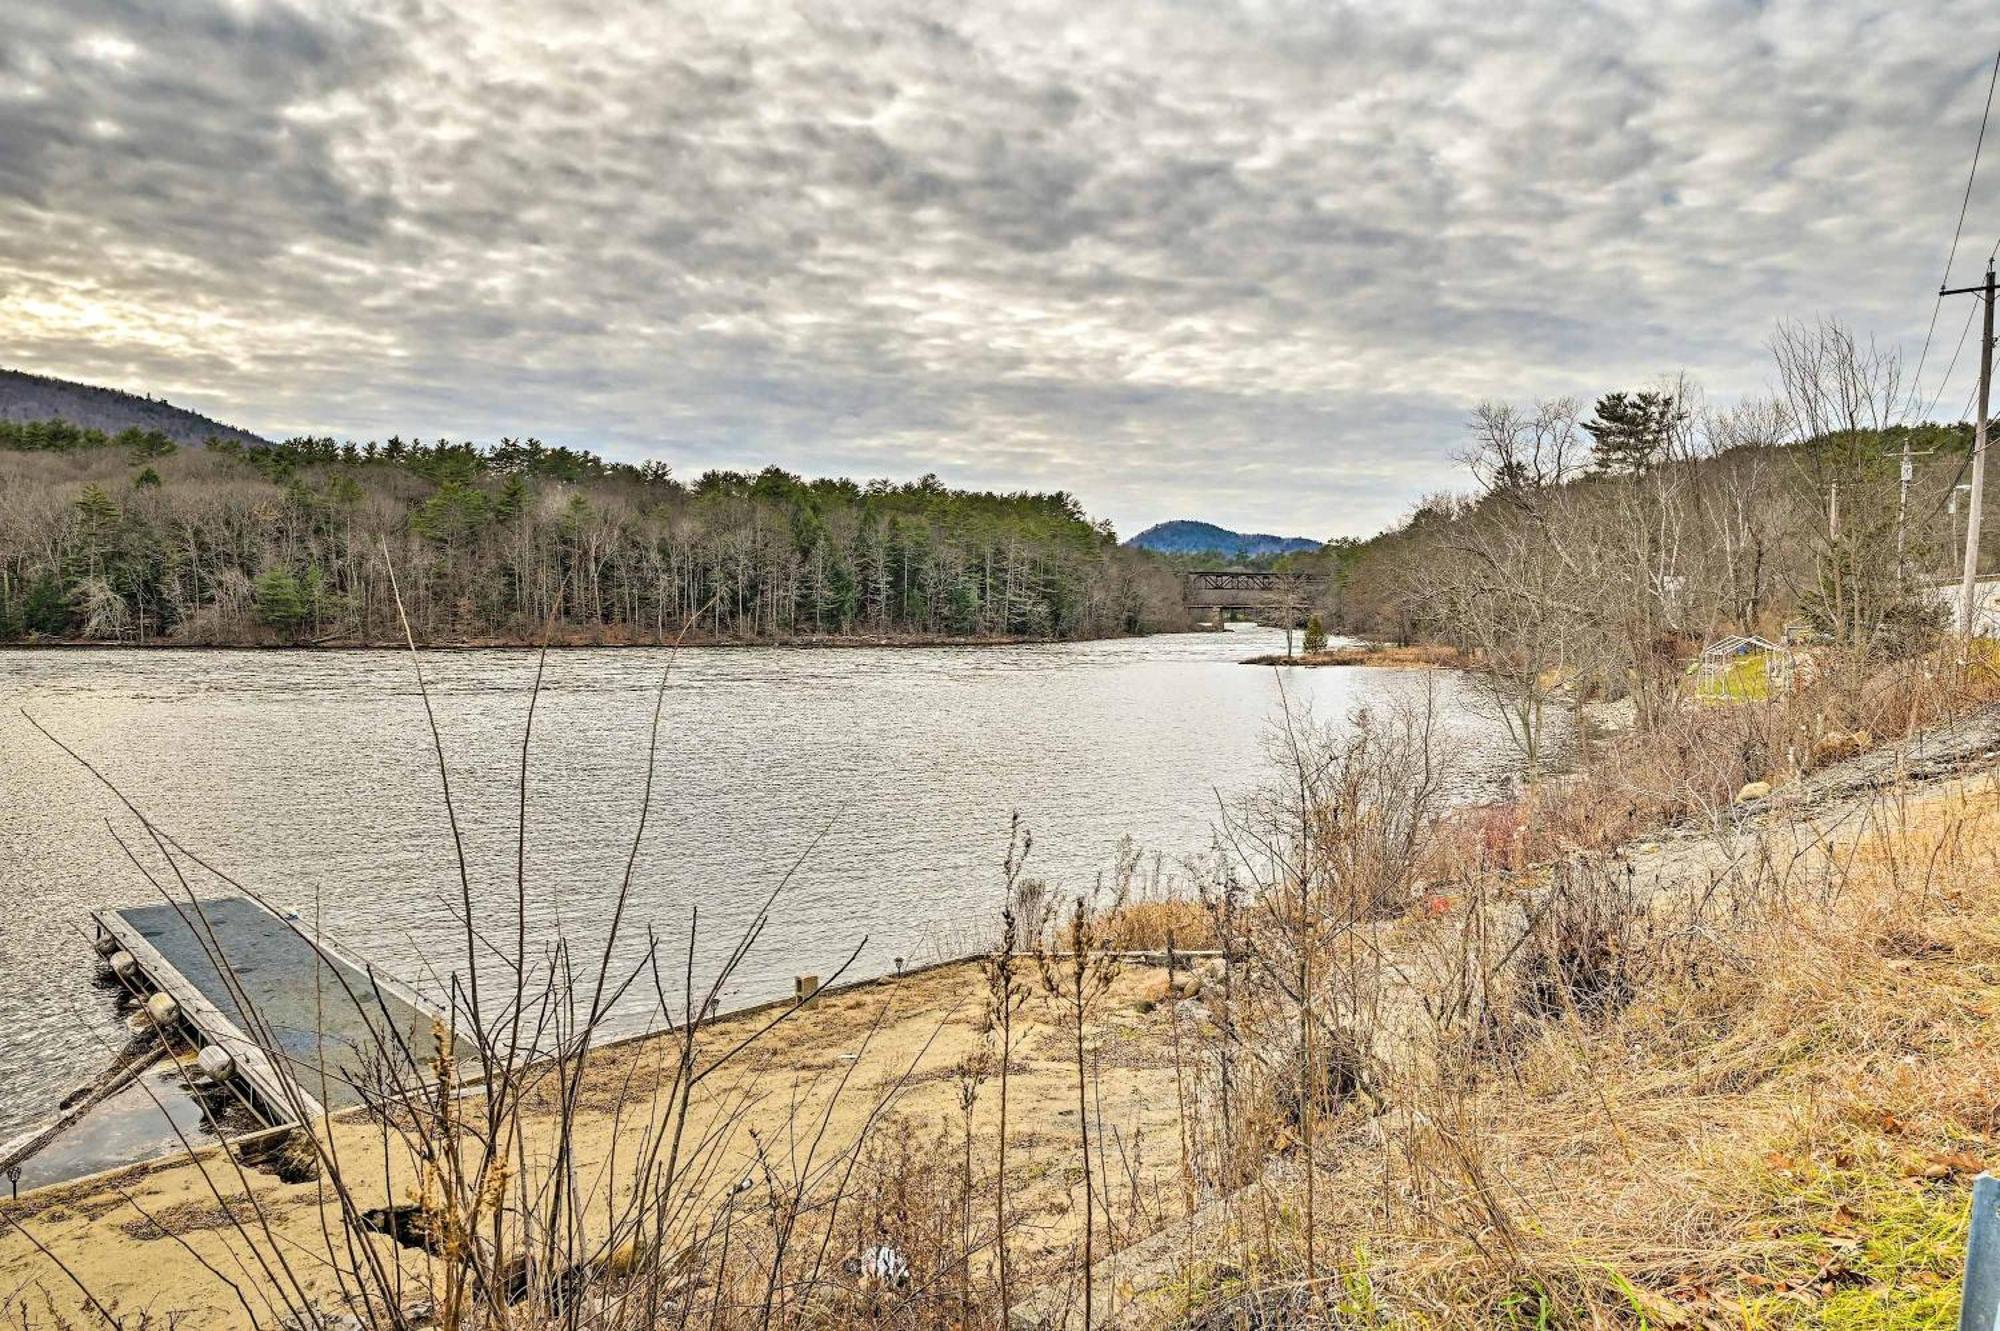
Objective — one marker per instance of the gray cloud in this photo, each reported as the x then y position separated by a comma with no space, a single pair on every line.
1246,263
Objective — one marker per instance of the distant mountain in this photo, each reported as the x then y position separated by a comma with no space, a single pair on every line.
1185,537
31,397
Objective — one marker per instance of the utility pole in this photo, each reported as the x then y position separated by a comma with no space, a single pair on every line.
1968,588
1909,473
1951,510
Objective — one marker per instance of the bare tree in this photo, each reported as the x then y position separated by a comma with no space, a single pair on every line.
1832,381
1515,451
1840,393
1291,599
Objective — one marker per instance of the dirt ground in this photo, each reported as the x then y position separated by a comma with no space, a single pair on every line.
158,1238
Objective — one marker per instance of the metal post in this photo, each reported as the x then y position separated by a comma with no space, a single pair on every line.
1979,1309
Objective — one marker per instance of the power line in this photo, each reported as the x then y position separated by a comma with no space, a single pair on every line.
1977,144
1988,295
1956,352
1964,203
1965,461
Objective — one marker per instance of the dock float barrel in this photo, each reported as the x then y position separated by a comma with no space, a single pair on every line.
161,1010
216,1062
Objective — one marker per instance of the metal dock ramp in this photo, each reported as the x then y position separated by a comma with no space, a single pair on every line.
314,1035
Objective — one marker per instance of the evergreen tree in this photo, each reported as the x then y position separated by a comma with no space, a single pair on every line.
47,610
95,508
1631,431
281,601
513,498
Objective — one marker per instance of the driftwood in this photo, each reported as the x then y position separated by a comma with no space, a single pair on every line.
130,1064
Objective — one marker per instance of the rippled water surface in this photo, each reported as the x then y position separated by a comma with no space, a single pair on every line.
310,776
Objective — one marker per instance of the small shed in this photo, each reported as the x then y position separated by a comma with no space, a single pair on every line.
1743,667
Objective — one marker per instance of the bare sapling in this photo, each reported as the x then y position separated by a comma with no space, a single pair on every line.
972,1071
1005,994
1074,982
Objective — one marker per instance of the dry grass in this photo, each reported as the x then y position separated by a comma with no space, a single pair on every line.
1777,1130
1697,760
1153,926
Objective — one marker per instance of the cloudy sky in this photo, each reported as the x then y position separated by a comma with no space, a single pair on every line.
1251,263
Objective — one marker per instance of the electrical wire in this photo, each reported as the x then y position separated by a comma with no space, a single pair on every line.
1965,462
1956,352
1964,203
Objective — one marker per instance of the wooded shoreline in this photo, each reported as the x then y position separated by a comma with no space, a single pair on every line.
798,643
116,539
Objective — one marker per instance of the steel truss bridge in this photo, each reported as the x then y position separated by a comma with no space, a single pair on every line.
1247,590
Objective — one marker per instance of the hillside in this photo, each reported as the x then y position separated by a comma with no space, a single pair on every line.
1185,537
33,397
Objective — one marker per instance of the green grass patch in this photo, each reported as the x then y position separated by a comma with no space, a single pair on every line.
1864,1248
1746,678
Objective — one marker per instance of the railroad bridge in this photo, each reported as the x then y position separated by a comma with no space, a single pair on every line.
1249,590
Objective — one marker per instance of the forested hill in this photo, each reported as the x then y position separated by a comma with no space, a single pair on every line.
28,398
1184,537
125,538
1603,547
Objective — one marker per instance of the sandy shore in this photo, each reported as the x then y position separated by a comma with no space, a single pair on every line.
145,1238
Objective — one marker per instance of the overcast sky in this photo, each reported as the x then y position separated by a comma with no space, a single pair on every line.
1249,263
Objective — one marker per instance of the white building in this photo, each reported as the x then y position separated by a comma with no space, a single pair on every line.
1985,605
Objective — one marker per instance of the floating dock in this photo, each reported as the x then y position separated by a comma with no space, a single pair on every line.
308,1030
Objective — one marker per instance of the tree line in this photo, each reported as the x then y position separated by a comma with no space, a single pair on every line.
1599,548
127,538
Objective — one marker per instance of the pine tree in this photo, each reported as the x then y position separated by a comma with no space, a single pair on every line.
47,609
281,601
513,498
1631,431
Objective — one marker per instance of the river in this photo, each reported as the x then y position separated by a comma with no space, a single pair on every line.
886,775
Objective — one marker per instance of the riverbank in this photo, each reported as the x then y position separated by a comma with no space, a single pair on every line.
1766,1109
883,1060
1760,1107
1417,656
